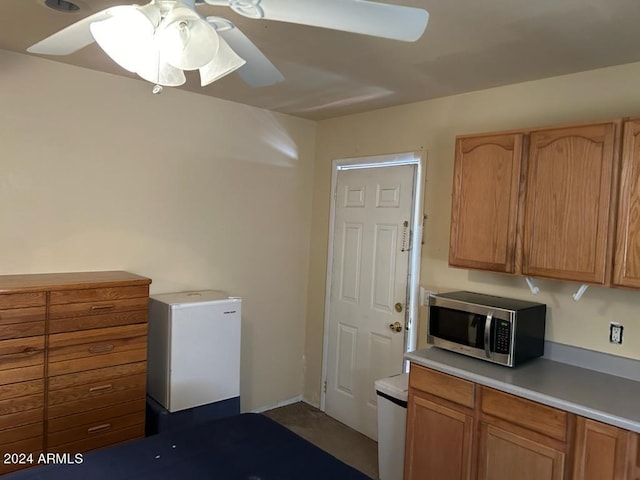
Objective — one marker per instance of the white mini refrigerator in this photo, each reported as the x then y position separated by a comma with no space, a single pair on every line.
193,348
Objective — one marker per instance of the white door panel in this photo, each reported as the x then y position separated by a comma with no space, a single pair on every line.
369,268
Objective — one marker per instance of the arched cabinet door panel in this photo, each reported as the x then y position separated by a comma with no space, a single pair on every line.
486,188
567,221
627,257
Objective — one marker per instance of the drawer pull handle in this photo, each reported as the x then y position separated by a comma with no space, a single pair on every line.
101,348
96,308
100,388
99,428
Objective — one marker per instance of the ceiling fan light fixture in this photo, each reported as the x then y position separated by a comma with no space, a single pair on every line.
224,62
187,41
161,73
127,36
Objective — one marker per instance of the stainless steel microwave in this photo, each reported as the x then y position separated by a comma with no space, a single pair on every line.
497,329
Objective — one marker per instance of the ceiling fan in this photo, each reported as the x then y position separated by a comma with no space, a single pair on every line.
160,40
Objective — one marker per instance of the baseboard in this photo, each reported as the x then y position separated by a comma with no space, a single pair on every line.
282,403
313,404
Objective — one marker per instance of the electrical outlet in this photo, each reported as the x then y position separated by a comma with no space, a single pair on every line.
615,333
423,296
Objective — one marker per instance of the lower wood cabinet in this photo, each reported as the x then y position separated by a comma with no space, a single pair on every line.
439,441
440,426
605,452
458,430
505,453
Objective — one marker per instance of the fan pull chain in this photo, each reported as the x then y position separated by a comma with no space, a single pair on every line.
157,88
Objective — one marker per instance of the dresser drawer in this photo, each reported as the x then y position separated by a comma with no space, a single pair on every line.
442,385
97,375
22,300
22,322
100,439
22,389
21,359
71,324
98,294
21,411
99,427
90,403
97,307
30,448
96,415
9,437
531,415
96,348
95,389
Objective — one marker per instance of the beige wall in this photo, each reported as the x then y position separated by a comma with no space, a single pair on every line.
96,173
431,126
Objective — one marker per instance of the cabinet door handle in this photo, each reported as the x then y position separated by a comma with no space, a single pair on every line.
99,428
95,308
101,348
100,388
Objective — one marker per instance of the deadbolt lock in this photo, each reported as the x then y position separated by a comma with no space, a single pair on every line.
398,307
396,327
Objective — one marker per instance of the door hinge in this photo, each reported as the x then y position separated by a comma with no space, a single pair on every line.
325,386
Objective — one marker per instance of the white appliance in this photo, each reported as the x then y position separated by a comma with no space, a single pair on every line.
193,348
392,418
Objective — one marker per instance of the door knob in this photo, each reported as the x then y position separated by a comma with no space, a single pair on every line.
395,327
398,307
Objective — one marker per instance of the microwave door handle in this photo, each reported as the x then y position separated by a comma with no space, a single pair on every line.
487,334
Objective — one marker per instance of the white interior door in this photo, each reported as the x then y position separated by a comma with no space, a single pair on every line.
369,271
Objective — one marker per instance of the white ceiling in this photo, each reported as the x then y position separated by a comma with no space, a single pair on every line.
468,45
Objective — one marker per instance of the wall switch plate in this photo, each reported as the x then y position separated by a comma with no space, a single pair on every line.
615,333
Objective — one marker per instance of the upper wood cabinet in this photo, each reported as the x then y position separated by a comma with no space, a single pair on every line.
543,203
485,202
627,256
567,203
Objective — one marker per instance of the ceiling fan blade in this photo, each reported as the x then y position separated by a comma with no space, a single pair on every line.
258,71
69,39
358,16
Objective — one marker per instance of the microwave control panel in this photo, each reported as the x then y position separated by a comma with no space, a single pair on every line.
503,337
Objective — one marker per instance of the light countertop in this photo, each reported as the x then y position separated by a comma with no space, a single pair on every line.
603,397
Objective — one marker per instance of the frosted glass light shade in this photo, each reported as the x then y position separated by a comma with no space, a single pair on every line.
127,36
224,62
161,73
187,41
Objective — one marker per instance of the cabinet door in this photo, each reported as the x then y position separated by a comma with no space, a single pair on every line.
507,455
438,442
633,456
601,451
568,193
627,257
484,213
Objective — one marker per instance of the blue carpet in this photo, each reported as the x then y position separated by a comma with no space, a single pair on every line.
242,447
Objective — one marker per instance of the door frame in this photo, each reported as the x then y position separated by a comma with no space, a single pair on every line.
417,158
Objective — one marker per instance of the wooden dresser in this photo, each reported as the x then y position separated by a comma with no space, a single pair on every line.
73,351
